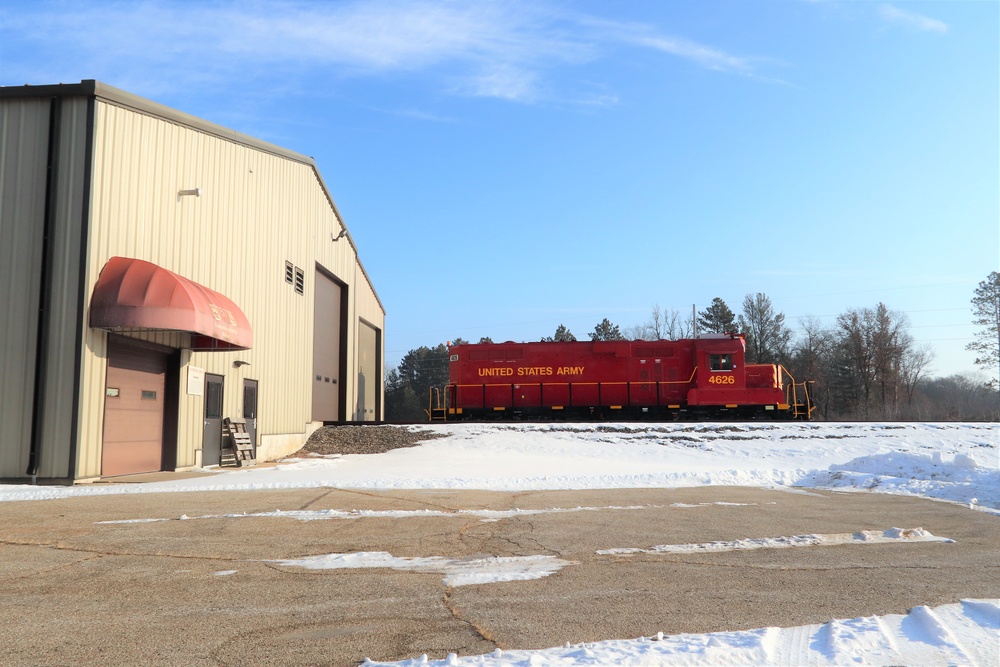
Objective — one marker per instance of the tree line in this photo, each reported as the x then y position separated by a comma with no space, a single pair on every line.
865,366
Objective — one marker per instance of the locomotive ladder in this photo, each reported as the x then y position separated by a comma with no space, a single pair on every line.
436,410
798,398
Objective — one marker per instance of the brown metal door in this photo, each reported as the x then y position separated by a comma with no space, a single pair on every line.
133,410
211,446
250,409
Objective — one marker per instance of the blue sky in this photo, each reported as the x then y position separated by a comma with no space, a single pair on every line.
505,167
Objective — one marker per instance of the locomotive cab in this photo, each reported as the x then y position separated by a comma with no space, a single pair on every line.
720,371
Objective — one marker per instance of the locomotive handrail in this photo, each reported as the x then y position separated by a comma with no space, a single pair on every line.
689,380
436,410
799,409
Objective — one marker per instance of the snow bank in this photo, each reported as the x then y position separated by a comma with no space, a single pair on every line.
956,462
965,633
961,479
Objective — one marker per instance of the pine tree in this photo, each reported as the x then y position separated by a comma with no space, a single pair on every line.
606,331
407,386
562,334
717,318
986,310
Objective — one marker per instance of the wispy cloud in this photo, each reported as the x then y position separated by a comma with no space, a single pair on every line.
417,114
649,37
911,19
506,50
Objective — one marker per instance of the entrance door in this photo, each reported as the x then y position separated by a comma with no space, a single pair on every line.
211,446
250,409
133,409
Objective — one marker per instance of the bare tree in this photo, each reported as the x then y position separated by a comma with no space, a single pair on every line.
956,398
766,334
662,325
653,329
685,328
673,327
636,332
877,360
891,342
813,360
916,361
856,375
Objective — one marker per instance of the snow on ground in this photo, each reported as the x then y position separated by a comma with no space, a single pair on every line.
964,633
456,571
951,461
889,536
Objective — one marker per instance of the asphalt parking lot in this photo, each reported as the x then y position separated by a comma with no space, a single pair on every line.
202,588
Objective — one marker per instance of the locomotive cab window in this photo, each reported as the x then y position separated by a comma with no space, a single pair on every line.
720,362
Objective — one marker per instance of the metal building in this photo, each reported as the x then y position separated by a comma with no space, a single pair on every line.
159,274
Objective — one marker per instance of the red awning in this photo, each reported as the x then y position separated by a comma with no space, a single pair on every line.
133,295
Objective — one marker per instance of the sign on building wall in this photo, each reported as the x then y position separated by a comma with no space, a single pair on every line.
196,381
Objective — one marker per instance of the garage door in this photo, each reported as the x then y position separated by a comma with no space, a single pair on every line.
133,409
326,350
369,377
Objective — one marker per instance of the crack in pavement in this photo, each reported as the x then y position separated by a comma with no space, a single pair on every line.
55,568
481,632
530,537
98,552
316,499
406,500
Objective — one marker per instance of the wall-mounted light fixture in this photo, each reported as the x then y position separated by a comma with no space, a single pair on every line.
193,192
239,362
343,233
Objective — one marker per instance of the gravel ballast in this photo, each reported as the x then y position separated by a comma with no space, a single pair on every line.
363,439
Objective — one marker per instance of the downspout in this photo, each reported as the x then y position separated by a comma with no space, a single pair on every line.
44,295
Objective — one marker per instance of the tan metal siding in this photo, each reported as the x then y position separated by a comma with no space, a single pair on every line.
24,132
369,308
256,211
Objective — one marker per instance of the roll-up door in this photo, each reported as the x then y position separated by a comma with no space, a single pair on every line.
133,409
326,350
369,375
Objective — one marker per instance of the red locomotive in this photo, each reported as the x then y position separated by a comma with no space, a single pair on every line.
702,378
